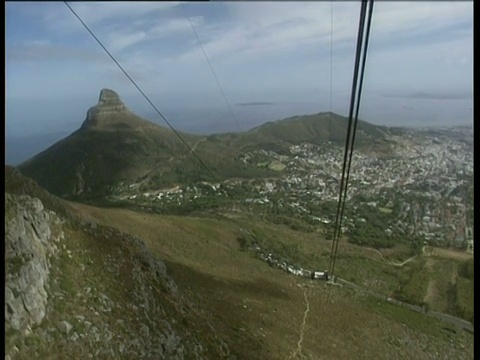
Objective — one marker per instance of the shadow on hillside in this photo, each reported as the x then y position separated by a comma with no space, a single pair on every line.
228,304
196,279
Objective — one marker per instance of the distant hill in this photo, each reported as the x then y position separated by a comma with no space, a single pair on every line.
114,145
315,129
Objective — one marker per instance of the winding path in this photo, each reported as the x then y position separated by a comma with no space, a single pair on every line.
298,351
196,144
403,263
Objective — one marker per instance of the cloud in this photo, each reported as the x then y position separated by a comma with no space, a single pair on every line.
97,12
130,37
263,28
434,66
259,50
176,25
248,33
249,30
419,17
118,43
101,13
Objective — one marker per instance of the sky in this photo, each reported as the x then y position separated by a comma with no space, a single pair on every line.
271,60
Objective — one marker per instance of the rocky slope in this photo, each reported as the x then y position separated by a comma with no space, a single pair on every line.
29,244
79,289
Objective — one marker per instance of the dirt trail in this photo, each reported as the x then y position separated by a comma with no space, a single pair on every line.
431,292
298,352
196,144
403,263
397,263
453,277
377,252
447,253
431,288
453,254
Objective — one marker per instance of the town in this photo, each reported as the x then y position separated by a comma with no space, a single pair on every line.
423,190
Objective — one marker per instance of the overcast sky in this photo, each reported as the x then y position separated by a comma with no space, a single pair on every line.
272,59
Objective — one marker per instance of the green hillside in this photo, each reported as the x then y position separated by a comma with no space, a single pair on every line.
108,299
315,129
115,146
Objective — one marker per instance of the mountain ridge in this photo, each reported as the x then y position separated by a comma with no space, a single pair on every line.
114,145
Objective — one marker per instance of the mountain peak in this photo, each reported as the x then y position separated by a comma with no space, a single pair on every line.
108,96
107,111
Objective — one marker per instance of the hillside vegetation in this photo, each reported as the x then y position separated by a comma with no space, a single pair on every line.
207,256
316,129
110,297
94,291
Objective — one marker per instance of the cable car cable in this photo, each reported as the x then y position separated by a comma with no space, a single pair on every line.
139,89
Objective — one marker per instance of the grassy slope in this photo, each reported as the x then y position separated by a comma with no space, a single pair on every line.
260,309
94,252
16,183
94,261
103,157
257,310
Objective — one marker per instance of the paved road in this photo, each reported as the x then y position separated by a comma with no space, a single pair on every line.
463,324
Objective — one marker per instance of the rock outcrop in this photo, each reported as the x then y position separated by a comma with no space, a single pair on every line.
28,245
92,292
109,105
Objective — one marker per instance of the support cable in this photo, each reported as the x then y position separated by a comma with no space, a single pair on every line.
367,35
211,69
349,126
331,57
351,140
138,88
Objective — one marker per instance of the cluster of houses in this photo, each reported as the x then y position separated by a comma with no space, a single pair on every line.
423,175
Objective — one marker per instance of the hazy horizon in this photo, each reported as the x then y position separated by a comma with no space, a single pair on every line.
22,146
379,110
272,60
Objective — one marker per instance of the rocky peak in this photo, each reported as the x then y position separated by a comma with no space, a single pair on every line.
108,98
106,111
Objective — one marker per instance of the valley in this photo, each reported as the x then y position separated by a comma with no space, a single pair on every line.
216,249
238,305
422,191
206,257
